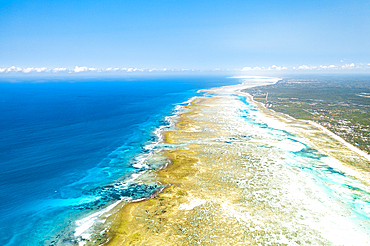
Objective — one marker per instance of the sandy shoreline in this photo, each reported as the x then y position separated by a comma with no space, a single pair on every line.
207,200
336,137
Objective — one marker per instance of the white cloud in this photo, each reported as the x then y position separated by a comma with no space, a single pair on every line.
13,69
305,67
348,66
246,69
34,69
41,69
78,69
257,68
2,70
252,69
27,70
138,69
112,69
278,68
326,67
160,69
360,66
59,69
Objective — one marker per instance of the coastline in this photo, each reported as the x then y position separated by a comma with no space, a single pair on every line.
92,229
324,129
195,186
340,139
336,147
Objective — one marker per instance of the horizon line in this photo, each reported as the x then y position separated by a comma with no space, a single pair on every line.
273,68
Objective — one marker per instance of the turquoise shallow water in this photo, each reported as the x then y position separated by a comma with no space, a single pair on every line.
327,174
69,147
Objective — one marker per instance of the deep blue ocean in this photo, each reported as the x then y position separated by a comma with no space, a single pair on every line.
63,143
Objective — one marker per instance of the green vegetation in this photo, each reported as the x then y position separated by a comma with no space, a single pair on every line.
340,104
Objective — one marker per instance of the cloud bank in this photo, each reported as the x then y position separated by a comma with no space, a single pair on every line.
85,69
273,67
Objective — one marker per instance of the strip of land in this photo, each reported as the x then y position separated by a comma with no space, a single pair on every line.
228,186
340,104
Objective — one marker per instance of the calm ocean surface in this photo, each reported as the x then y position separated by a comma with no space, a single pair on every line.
62,144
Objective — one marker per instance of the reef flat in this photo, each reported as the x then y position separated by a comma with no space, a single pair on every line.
241,174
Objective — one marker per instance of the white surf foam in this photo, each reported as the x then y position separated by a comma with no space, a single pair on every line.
84,225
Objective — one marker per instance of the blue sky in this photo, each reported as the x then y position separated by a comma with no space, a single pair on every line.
184,34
